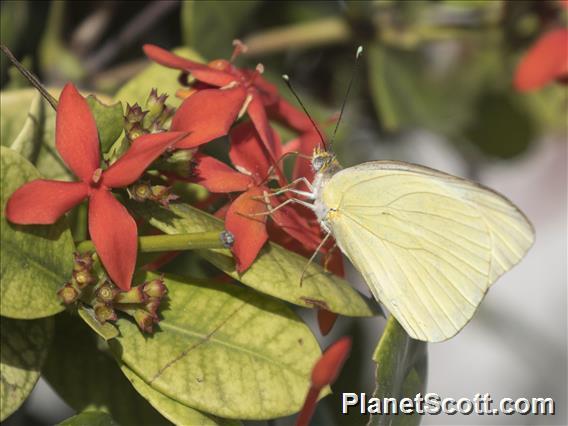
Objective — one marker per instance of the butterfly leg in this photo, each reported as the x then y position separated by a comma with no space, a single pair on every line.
316,251
288,188
271,209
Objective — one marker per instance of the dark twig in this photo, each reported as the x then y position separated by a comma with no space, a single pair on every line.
134,29
30,77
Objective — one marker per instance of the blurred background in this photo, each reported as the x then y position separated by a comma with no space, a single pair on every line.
434,86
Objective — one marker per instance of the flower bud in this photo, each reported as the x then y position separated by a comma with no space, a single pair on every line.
104,313
134,295
83,278
145,320
178,162
106,292
135,131
134,114
152,306
163,195
140,191
68,293
82,261
155,288
156,105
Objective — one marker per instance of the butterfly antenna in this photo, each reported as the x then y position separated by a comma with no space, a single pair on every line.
357,55
287,81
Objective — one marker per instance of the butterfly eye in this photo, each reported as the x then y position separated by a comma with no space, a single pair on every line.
317,163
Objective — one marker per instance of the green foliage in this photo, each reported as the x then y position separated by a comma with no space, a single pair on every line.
401,372
223,349
109,120
24,347
14,105
171,409
198,18
86,376
276,271
90,418
36,260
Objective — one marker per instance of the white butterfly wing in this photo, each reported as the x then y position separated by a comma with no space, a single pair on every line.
428,244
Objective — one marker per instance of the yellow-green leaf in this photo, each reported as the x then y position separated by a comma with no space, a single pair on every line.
223,349
109,119
171,409
14,105
401,372
276,271
24,347
90,418
86,376
36,259
107,330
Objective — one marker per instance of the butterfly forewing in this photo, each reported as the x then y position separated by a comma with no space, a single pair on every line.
428,244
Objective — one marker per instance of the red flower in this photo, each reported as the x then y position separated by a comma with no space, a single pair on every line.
324,373
546,61
240,89
111,227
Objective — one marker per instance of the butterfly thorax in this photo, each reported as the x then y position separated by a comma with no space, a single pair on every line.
325,165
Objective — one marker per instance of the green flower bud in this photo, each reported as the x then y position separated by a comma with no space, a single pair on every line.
155,288
68,293
106,292
134,295
83,278
152,306
104,313
145,320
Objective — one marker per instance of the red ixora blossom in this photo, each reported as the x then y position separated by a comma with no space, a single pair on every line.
223,92
545,62
112,229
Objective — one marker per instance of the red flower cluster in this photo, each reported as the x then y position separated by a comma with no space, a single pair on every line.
220,95
113,230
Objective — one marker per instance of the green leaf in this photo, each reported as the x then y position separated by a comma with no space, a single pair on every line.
90,418
86,376
109,119
223,349
14,105
107,331
28,141
24,347
174,411
228,19
276,271
401,372
155,76
36,259
501,126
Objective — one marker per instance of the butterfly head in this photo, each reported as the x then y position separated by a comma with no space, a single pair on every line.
324,160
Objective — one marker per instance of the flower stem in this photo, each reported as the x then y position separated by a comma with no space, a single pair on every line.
159,243
30,77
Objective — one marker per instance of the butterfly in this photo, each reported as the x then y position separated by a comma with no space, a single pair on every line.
428,244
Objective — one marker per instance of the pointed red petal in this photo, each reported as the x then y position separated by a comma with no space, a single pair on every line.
216,176
283,112
258,116
326,320
324,373
268,91
143,151
294,224
303,166
247,151
42,202
115,236
207,115
545,61
249,231
329,365
200,71
76,136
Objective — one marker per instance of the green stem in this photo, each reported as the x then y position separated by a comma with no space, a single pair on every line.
309,34
160,243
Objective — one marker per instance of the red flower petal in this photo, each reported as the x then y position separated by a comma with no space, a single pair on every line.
303,166
249,231
291,221
326,320
247,151
329,365
324,373
76,136
143,151
267,91
115,236
285,113
216,176
207,115
42,202
545,61
335,262
200,71
258,116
